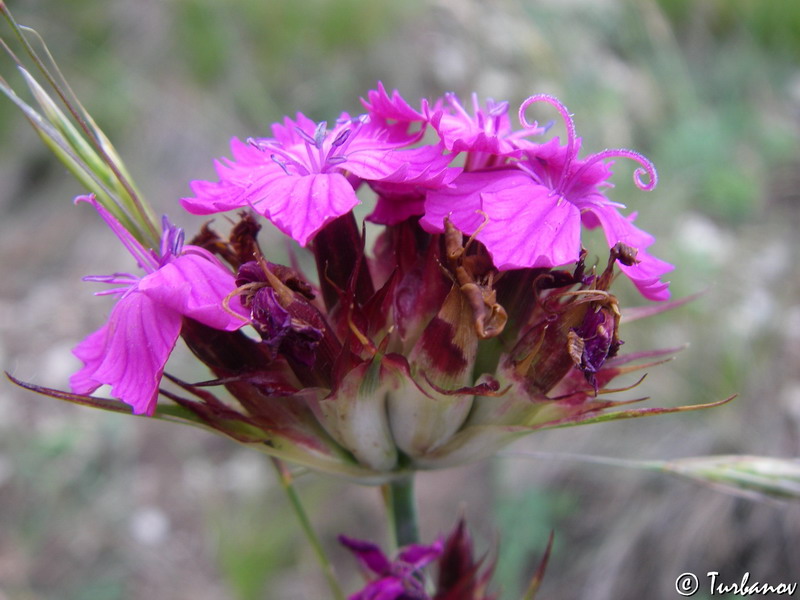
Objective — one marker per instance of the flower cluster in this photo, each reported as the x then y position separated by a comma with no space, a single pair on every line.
474,319
524,201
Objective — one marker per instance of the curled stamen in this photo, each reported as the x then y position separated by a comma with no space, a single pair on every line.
646,167
568,122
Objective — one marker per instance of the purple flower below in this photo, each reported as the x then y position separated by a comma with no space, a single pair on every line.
400,579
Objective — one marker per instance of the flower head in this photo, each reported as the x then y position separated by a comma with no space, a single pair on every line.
472,321
129,352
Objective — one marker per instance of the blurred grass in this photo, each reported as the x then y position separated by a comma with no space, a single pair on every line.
709,90
525,520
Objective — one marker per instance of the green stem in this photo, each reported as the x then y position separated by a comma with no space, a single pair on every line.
285,477
402,510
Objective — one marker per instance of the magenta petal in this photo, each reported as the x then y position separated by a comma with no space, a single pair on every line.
249,164
529,226
210,197
91,352
195,284
647,273
463,134
286,133
388,588
462,200
616,227
245,157
129,352
391,210
369,554
301,205
393,107
646,276
419,555
424,166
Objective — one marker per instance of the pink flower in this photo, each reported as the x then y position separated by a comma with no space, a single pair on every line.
487,135
460,574
129,352
393,109
305,176
398,579
529,213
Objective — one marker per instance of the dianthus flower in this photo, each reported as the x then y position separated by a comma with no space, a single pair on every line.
305,176
398,579
460,574
528,213
129,352
486,135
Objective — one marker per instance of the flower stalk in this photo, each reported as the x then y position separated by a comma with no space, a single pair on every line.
287,484
401,510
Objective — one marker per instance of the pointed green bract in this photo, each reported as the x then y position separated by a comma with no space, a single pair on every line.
83,148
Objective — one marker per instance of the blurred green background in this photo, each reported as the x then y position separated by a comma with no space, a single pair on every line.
96,506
